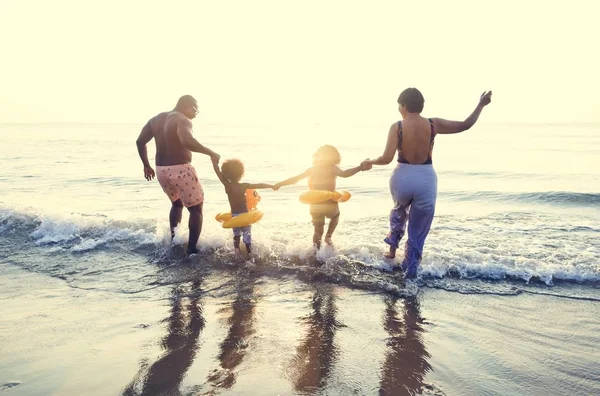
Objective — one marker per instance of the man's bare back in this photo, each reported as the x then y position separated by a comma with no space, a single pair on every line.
176,124
163,128
155,127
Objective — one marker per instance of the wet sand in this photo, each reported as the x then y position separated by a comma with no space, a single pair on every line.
235,332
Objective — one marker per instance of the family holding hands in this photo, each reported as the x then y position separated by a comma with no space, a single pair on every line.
413,184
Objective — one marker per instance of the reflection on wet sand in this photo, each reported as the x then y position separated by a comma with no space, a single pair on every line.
234,347
164,376
317,353
404,367
406,361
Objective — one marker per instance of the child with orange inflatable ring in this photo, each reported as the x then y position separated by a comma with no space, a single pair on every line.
242,200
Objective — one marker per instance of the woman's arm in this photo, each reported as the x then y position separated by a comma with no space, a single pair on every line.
447,126
292,180
388,153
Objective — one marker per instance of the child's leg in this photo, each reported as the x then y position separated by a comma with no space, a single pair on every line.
237,234
318,220
331,228
247,235
318,235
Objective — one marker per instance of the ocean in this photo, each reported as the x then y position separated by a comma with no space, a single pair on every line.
91,283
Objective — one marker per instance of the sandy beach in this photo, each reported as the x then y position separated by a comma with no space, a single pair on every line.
235,331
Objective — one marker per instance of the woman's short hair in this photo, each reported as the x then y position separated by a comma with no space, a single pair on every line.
412,99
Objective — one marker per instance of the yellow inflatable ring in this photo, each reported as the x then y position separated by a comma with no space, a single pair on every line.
315,196
343,196
318,196
221,217
244,219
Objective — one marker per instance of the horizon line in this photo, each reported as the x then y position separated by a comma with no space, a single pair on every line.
275,123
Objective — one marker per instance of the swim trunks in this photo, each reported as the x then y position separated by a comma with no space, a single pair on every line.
180,182
244,232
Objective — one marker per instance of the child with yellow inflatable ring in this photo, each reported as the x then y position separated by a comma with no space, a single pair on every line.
321,180
230,174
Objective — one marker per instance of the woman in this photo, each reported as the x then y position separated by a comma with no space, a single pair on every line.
414,182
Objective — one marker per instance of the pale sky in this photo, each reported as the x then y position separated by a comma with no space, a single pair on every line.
297,61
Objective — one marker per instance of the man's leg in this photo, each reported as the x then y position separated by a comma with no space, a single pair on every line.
175,215
195,225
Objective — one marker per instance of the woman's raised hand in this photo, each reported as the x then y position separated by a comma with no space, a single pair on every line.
486,98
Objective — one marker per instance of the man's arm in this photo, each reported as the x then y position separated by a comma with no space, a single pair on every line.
141,142
447,126
347,172
293,180
184,132
220,175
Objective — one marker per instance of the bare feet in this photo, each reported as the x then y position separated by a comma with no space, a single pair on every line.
238,255
328,240
391,254
189,250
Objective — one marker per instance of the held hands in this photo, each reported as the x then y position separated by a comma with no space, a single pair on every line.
149,173
486,98
366,165
214,157
277,186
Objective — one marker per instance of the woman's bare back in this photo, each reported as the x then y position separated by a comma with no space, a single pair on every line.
416,139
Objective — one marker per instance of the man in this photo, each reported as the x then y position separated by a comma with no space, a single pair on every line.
172,132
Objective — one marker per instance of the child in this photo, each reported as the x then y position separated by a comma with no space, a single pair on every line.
230,174
322,176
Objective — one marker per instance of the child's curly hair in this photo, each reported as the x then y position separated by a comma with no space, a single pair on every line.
233,170
327,155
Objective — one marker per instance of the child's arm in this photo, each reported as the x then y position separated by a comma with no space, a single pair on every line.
222,178
259,185
348,172
293,180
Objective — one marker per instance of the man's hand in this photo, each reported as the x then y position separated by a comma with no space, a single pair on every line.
214,157
486,98
149,173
